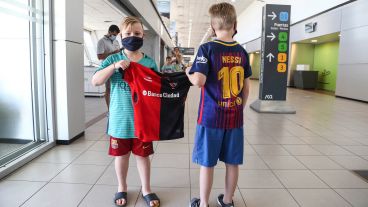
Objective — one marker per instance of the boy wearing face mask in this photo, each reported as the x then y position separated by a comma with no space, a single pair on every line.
121,118
106,46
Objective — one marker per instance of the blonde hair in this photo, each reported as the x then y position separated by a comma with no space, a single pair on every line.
129,21
223,16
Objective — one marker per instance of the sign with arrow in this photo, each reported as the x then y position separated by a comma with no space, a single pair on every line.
270,57
273,15
272,36
275,52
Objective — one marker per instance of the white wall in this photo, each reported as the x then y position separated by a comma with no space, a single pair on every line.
68,67
250,20
352,74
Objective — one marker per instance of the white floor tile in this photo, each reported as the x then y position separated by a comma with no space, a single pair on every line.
341,179
103,195
318,198
357,197
59,194
351,162
94,158
299,179
268,198
14,193
283,162
37,172
318,162
83,174
258,179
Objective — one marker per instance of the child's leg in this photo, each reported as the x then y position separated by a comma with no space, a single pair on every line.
120,148
144,169
142,150
121,169
231,180
205,184
206,150
232,155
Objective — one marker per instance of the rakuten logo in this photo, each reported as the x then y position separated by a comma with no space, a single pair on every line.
201,59
160,95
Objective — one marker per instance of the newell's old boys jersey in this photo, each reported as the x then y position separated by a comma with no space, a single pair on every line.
158,102
226,65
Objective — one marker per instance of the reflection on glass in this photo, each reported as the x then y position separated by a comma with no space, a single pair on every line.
22,63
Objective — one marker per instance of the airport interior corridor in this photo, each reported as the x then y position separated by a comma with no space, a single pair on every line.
306,159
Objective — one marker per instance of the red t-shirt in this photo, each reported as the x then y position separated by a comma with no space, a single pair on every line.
158,102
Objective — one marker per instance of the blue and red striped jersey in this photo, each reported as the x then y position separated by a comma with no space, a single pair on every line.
226,65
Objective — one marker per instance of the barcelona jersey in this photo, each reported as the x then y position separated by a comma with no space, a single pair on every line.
226,65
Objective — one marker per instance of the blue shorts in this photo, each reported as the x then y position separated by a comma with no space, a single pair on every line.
212,144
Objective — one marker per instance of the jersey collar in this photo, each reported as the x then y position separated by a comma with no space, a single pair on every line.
226,43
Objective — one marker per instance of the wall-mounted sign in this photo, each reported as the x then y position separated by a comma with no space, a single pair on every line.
163,6
187,50
186,59
310,27
275,52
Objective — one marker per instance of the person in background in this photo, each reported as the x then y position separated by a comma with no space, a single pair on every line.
106,46
177,60
168,67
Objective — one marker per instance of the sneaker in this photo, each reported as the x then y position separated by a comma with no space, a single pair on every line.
220,201
195,202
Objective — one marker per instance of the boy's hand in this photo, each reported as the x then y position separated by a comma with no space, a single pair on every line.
123,64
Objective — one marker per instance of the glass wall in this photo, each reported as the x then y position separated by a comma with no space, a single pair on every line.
23,123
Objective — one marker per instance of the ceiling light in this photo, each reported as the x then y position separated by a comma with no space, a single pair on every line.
257,52
233,0
107,21
314,41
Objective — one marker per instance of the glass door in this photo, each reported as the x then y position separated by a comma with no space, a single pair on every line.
23,122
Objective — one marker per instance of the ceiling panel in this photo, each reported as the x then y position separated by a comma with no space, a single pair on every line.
195,13
96,12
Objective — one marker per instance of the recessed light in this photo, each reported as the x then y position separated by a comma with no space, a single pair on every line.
233,0
107,21
314,41
257,52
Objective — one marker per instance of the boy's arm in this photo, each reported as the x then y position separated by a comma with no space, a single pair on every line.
246,91
196,78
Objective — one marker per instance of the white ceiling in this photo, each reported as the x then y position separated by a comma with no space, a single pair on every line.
98,11
182,11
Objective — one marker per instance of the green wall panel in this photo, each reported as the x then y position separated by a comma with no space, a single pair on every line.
302,54
255,63
326,62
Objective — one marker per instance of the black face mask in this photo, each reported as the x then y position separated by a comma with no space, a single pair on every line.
132,43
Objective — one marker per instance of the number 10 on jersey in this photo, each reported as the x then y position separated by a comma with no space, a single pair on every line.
232,80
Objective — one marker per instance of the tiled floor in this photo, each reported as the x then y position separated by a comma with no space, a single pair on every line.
290,160
94,106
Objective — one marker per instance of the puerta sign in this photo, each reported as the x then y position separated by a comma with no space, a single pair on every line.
275,52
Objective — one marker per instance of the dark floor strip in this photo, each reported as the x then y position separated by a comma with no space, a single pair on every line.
362,173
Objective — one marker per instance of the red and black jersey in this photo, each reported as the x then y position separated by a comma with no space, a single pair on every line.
158,102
